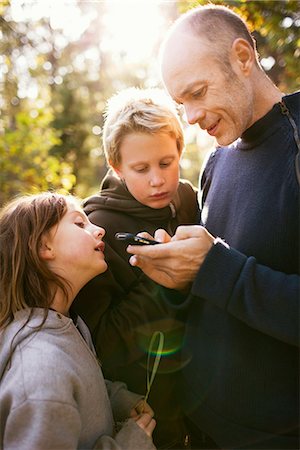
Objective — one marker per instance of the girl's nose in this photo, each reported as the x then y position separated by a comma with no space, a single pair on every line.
98,232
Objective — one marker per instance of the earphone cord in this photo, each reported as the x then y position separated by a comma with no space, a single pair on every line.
158,353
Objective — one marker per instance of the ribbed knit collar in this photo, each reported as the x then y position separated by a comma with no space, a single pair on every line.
263,128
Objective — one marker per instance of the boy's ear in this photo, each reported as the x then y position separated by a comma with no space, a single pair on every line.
46,251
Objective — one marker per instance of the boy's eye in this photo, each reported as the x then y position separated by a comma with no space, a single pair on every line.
140,169
166,163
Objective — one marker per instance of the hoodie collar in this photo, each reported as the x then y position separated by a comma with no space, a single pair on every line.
115,196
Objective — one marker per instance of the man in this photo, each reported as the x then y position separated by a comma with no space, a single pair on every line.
238,274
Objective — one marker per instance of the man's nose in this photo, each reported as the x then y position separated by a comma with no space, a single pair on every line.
194,114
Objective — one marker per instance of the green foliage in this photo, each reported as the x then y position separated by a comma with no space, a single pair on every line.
26,166
53,92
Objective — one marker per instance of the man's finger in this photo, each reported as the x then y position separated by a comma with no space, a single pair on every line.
188,231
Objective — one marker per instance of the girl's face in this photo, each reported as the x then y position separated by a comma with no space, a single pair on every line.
150,168
74,248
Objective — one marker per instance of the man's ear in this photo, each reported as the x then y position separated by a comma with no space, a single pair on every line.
46,250
244,55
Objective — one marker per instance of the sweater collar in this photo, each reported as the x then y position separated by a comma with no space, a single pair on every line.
262,129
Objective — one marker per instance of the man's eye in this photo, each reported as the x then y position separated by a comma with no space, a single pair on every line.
199,93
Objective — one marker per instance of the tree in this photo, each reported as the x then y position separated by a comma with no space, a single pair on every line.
26,135
54,87
24,154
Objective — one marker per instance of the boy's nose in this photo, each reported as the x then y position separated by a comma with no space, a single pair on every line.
156,180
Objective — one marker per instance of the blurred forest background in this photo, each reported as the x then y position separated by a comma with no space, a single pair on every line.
60,60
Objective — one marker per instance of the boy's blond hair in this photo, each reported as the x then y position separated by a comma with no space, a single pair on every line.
135,110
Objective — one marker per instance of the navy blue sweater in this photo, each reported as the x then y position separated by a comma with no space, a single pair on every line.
241,386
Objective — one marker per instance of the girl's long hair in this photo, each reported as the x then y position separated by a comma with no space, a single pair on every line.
25,279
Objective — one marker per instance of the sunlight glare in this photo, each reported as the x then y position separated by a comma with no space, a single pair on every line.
64,15
132,28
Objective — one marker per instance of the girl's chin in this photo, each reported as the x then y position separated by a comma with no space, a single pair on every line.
103,267
99,270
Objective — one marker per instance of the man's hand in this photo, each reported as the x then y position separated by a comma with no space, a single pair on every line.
175,262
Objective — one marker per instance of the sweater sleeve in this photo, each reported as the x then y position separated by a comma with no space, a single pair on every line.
49,425
131,436
36,425
122,401
263,298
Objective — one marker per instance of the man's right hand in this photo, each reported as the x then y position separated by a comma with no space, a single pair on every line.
175,262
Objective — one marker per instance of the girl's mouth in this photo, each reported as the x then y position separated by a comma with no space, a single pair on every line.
100,247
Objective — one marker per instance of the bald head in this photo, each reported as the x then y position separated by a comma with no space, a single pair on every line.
209,65
216,26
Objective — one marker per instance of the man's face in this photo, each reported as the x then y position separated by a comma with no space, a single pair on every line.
216,97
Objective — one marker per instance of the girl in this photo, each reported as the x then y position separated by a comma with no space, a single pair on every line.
52,391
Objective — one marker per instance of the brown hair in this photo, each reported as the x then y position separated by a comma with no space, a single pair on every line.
25,279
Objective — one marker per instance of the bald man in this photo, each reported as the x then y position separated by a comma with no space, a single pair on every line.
236,274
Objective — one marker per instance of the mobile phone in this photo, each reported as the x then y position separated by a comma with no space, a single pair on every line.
132,239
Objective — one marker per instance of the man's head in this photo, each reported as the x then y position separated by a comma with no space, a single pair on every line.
209,64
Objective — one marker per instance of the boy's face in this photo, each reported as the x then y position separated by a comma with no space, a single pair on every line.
150,168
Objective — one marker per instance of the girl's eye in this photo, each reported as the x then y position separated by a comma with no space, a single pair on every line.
80,224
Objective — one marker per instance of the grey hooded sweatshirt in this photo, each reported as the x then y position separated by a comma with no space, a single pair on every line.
52,392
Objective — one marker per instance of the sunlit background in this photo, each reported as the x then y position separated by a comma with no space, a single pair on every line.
60,60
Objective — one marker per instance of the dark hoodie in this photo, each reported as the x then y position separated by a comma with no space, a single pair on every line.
123,307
